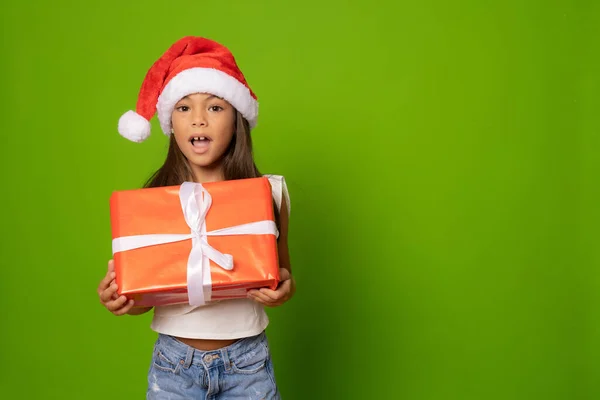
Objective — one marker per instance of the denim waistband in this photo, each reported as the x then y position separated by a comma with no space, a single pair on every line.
187,355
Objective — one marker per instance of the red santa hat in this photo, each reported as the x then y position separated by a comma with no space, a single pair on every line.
191,65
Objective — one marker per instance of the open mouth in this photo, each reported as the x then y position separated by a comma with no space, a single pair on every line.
199,140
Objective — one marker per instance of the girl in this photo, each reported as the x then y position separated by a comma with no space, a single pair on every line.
205,106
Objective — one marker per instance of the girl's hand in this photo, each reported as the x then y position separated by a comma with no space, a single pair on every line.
107,291
274,298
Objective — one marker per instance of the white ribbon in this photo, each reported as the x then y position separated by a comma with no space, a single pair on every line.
195,203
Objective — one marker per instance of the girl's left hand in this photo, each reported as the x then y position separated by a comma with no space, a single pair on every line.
274,298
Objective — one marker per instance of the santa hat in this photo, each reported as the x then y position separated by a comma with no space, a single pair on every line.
191,65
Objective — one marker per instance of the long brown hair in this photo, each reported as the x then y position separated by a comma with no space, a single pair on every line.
238,161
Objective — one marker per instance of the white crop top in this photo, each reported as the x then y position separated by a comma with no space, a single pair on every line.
228,319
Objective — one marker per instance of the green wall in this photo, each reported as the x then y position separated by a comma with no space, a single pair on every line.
442,158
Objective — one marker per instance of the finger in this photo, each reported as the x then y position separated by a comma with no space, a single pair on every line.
261,297
111,265
115,295
106,281
116,304
278,294
124,310
272,295
107,293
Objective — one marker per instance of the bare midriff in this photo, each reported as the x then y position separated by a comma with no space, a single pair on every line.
206,344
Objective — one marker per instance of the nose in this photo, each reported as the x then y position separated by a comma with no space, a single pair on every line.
199,117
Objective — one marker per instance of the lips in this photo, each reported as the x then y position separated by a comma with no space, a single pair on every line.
200,143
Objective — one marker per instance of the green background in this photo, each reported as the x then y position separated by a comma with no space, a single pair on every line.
442,159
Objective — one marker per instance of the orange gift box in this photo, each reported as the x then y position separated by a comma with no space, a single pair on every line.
157,274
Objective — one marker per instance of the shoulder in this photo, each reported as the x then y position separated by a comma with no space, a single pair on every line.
275,179
279,190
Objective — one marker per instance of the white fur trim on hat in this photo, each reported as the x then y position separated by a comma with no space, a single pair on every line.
205,80
134,127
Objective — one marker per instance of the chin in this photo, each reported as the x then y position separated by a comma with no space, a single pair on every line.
202,160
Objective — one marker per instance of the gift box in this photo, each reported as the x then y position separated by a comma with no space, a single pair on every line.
194,243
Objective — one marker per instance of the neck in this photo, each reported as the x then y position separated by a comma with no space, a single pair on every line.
208,174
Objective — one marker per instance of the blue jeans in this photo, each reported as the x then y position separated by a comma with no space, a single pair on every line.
243,370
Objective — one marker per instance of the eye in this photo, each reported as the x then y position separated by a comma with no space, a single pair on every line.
183,108
216,108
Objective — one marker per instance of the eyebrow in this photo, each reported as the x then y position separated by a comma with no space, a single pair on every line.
212,96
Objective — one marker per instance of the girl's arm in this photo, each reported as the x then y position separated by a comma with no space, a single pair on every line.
282,242
287,286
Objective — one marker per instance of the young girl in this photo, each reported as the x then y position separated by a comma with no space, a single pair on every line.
204,105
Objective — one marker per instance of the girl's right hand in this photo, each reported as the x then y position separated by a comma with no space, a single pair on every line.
107,291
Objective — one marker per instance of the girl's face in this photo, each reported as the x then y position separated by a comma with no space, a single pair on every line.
203,126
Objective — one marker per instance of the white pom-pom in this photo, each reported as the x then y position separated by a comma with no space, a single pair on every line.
134,127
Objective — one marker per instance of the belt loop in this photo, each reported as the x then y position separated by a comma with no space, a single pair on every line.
189,356
226,361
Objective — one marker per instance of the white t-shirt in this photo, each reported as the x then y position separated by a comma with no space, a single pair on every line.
228,319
